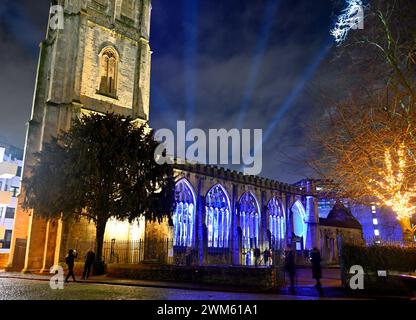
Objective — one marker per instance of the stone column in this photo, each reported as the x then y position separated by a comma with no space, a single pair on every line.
45,250
312,216
199,223
235,255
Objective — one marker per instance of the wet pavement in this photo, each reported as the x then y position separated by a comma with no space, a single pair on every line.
23,289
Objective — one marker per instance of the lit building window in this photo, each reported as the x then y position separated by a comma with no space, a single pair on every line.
218,219
108,72
249,220
277,225
376,232
299,224
375,221
184,216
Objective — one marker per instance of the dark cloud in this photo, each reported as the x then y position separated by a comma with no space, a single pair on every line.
230,35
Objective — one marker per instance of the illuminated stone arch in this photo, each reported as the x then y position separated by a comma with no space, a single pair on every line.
277,222
218,217
184,215
249,220
300,226
109,61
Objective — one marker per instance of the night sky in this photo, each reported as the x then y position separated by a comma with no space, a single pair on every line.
216,64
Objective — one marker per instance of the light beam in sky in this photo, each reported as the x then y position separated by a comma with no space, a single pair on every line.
258,58
190,56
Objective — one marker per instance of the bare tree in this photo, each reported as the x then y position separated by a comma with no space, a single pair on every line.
366,136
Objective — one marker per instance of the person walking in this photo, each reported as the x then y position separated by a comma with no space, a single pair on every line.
89,262
316,266
257,254
266,257
70,262
290,265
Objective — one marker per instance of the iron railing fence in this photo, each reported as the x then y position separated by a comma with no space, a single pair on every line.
166,252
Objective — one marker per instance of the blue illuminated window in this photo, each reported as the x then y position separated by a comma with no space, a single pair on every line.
249,220
218,219
299,221
184,215
277,224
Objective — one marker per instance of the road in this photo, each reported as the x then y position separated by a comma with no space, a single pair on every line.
20,289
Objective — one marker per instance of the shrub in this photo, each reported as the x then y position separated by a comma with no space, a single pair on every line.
379,257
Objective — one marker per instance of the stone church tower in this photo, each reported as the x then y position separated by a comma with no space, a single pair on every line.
98,62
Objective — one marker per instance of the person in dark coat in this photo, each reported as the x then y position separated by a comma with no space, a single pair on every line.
89,262
316,266
257,255
290,265
266,257
70,262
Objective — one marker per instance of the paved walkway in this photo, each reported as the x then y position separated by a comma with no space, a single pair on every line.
305,286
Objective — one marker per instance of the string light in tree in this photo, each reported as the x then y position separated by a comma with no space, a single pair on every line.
391,189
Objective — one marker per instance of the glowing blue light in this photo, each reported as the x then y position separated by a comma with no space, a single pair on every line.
249,220
258,58
218,218
277,225
299,224
190,54
351,18
184,215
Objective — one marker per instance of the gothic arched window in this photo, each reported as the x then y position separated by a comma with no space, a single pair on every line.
184,215
299,221
218,218
249,220
277,224
108,72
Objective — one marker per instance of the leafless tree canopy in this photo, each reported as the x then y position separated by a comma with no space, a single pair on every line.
366,136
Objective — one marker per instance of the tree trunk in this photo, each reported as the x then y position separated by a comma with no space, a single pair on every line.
100,231
407,229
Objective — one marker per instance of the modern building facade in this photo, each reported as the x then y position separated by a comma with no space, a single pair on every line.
10,172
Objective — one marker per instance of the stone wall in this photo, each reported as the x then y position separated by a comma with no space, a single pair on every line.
260,278
4,258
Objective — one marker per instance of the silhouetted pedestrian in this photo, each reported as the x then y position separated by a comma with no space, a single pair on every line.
316,266
70,262
89,262
257,255
266,257
290,265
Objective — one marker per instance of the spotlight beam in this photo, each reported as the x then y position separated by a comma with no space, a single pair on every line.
297,90
258,58
190,53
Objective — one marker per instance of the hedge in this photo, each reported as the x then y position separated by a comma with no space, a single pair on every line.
379,257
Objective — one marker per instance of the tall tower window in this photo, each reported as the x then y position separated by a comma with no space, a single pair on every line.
108,72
